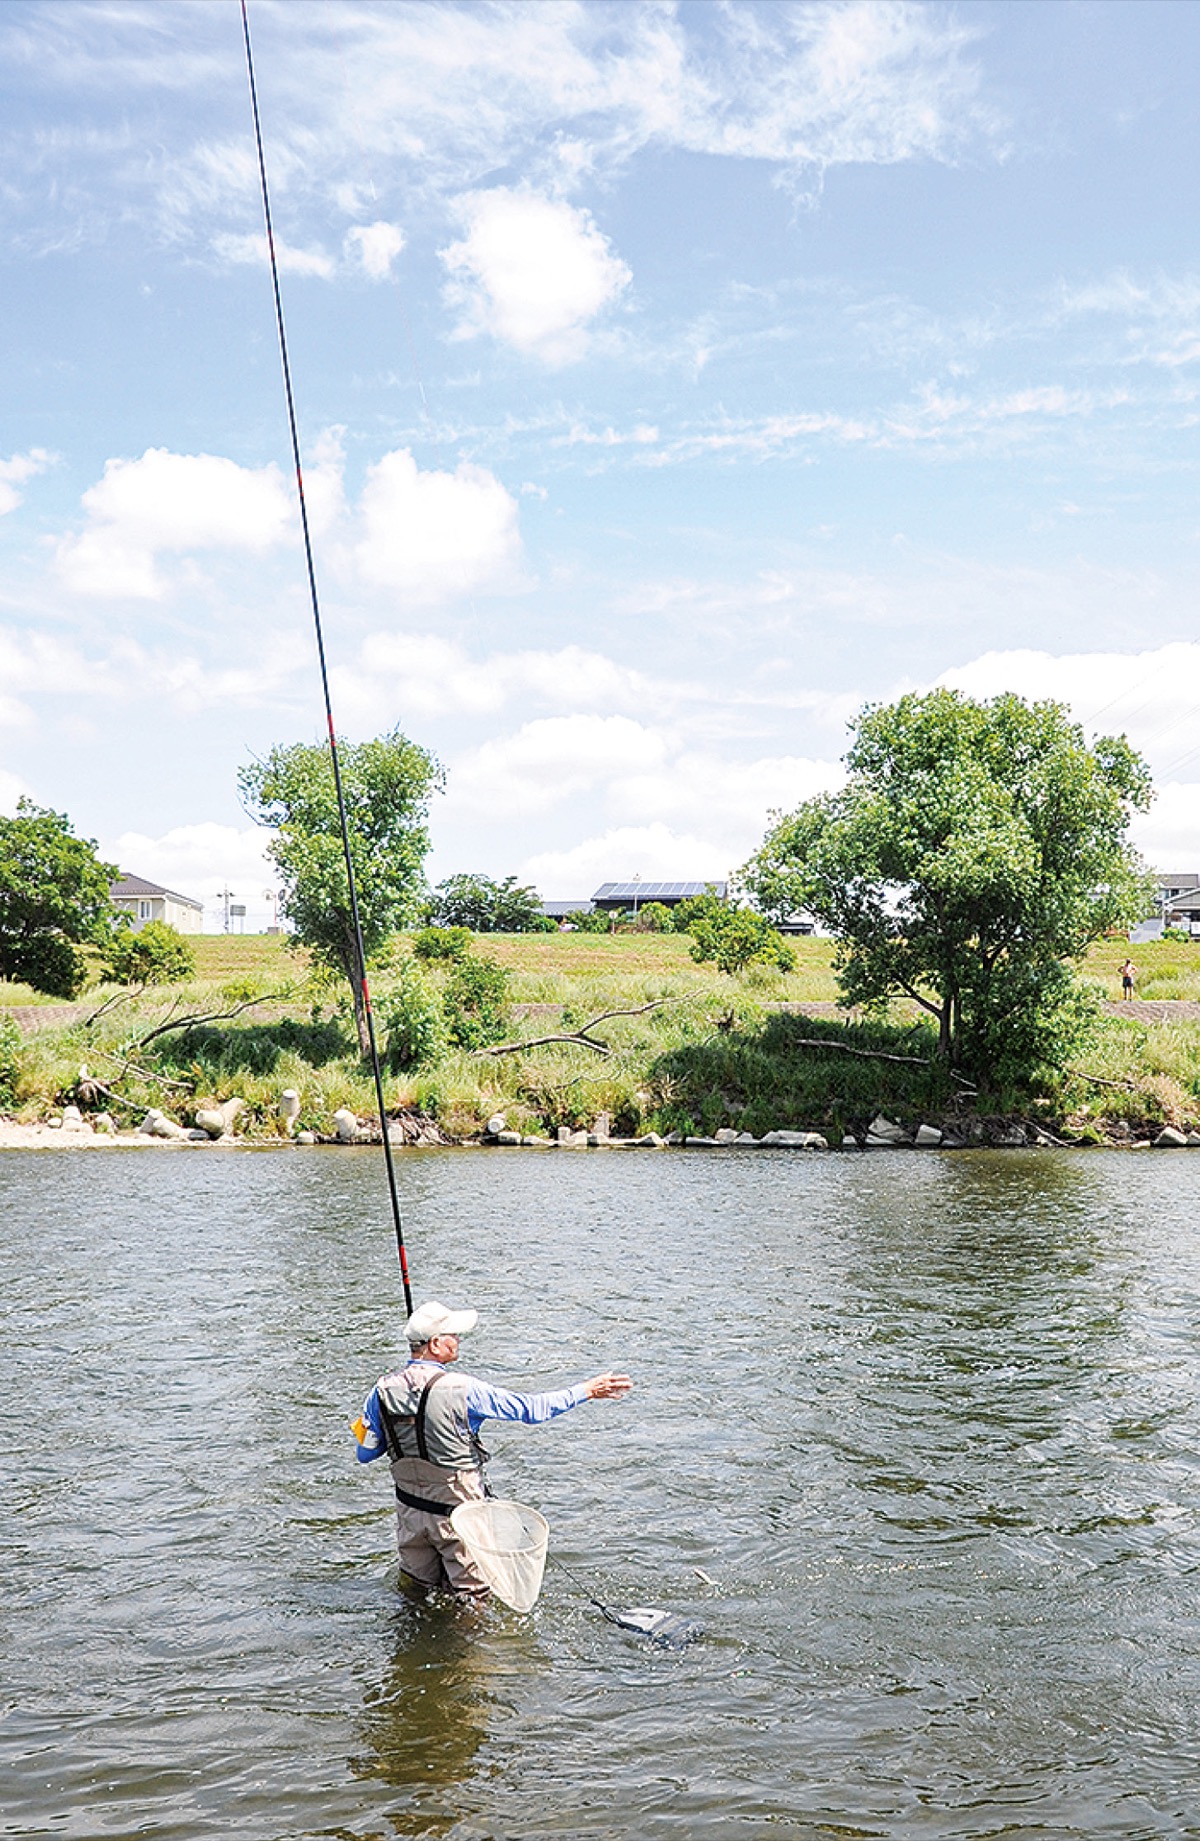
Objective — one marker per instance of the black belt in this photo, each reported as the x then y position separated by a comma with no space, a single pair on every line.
419,1502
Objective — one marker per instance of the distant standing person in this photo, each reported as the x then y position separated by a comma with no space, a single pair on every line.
1128,974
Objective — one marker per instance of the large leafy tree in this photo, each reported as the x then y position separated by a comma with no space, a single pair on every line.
387,784
54,898
486,906
976,850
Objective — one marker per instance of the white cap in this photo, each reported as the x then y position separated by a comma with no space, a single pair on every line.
434,1319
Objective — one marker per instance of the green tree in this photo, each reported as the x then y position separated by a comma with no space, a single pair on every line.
54,898
708,906
156,954
430,943
387,785
733,938
976,850
486,906
476,1002
655,917
414,1019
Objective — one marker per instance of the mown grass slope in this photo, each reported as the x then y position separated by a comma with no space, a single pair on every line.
697,1051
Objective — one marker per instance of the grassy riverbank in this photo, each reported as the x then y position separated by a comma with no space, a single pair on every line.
700,1050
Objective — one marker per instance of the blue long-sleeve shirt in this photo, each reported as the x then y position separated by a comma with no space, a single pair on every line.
483,1402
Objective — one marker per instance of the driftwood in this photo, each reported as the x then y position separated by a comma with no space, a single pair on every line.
580,1036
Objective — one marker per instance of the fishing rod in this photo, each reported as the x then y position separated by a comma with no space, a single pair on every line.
360,954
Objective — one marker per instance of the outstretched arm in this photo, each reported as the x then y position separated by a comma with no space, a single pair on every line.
487,1402
607,1386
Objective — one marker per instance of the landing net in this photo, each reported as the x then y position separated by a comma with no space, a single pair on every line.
508,1542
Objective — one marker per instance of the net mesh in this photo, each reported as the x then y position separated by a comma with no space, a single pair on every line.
507,1542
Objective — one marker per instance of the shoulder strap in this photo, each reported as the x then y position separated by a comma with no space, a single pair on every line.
422,1403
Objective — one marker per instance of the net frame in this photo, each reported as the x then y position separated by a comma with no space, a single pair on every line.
508,1542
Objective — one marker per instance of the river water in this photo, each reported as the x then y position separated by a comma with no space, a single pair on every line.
928,1422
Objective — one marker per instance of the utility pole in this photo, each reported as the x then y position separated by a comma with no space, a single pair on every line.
225,895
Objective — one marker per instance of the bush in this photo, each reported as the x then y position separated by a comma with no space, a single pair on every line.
1180,935
10,1053
734,938
414,1021
708,906
591,920
430,943
157,954
655,917
476,1002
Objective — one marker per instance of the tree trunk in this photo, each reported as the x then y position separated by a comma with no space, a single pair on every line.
354,976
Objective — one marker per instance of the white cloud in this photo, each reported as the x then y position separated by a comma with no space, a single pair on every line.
201,860
375,247
12,788
433,536
253,250
1168,836
1153,697
15,471
37,663
172,502
551,760
440,97
654,852
426,675
729,799
532,271
40,669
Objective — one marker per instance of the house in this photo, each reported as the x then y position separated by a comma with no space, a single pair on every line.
1176,904
1179,898
628,897
146,901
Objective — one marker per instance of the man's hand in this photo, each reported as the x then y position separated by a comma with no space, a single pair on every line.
607,1386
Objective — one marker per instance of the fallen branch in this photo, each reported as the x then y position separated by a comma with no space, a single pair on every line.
581,1035
866,1054
131,1067
118,997
211,1016
1064,1144
1098,1080
90,1086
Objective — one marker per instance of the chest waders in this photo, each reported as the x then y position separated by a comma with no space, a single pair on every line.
391,1435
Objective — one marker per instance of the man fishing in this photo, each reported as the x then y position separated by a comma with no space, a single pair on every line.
427,1423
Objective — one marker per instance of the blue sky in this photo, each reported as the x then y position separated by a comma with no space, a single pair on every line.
673,379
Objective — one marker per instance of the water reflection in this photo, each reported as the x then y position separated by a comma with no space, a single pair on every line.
444,1693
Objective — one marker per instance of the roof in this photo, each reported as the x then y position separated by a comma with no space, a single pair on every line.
642,892
131,888
555,910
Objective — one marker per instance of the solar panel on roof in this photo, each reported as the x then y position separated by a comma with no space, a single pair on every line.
641,892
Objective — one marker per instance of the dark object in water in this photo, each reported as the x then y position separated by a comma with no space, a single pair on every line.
665,1628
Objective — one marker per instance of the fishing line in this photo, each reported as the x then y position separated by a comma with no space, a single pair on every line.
316,613
667,1629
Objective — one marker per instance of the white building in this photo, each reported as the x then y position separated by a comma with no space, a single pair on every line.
146,901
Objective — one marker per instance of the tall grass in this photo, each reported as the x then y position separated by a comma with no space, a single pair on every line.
712,1051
